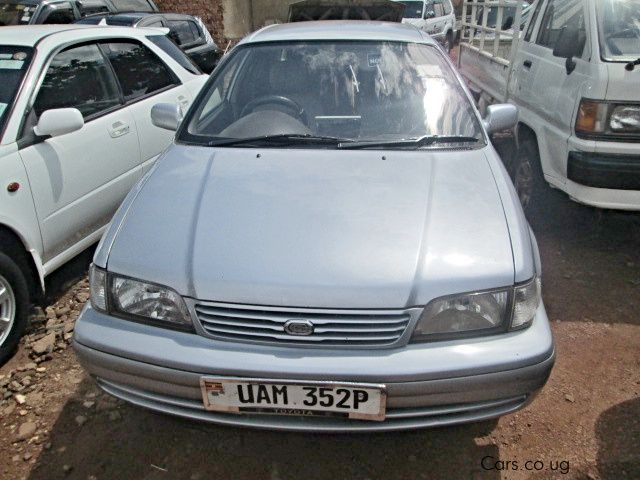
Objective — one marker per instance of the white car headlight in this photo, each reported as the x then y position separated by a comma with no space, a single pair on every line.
479,313
137,300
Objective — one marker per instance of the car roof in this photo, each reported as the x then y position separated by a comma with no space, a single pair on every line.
339,30
30,35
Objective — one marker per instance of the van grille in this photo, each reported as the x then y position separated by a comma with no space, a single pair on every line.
330,327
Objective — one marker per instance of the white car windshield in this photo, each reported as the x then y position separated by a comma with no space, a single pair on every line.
619,29
355,90
14,62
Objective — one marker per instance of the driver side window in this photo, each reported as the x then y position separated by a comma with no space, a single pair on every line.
78,78
559,15
429,11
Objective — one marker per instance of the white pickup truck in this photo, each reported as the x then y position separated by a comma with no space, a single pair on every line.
574,73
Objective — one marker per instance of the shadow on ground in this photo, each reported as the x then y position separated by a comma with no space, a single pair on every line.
143,445
618,431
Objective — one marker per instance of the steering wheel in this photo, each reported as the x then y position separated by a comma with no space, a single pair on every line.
276,99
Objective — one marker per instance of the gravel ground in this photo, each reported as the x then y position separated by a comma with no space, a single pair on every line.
54,422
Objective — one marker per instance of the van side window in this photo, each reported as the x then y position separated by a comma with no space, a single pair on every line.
559,14
534,19
78,78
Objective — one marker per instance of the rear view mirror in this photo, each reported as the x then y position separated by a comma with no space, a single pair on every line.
500,117
166,115
59,121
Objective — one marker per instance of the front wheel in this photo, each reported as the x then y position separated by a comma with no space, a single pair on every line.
14,306
527,175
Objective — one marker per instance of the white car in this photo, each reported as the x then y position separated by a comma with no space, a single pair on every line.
435,17
75,136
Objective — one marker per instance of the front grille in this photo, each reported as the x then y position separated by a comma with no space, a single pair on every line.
330,327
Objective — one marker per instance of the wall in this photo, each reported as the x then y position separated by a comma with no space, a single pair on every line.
210,11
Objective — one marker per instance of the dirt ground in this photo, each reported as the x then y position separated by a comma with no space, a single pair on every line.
584,424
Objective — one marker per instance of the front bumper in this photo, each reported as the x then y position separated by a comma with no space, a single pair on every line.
437,384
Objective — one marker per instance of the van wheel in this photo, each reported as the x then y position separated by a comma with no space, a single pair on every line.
14,306
527,173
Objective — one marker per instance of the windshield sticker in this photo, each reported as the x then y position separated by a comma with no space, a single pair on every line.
374,59
11,64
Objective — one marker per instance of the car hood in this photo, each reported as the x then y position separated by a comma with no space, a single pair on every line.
622,85
316,228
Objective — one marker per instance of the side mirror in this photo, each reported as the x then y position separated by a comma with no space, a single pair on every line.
500,117
59,121
166,115
570,44
429,14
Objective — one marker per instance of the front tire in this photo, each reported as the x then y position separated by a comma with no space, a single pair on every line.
527,175
14,306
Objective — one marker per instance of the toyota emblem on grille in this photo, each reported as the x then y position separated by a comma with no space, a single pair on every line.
299,327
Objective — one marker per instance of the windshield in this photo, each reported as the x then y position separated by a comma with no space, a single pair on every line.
14,62
358,91
16,13
413,10
619,28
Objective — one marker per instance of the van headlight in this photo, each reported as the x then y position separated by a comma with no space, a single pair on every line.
602,119
137,300
479,313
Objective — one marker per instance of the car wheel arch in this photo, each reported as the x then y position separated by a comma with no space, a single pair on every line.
12,244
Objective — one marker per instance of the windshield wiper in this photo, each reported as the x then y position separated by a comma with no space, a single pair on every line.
280,139
424,141
630,67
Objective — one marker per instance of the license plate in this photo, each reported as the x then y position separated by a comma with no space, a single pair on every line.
242,395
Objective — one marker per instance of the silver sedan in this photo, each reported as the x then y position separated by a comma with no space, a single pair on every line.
331,244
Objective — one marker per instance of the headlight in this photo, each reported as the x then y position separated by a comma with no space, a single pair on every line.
607,119
625,119
480,313
137,300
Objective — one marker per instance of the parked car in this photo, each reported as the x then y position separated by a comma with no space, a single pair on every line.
436,17
188,32
379,10
32,12
572,74
75,136
331,244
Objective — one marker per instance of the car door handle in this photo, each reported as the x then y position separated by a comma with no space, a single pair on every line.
528,64
118,129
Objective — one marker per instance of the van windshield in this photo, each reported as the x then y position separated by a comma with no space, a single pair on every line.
14,62
15,13
619,29
364,91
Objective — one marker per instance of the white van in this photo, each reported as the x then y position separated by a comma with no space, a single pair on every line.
574,74
435,17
